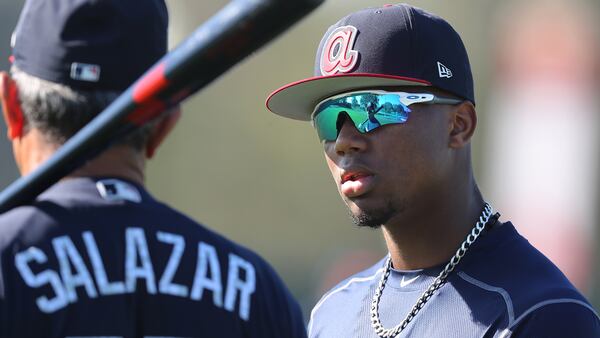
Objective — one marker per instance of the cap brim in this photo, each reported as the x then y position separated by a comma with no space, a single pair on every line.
298,99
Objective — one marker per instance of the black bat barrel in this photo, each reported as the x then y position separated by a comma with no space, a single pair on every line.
237,30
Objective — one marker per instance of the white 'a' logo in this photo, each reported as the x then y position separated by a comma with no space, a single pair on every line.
337,54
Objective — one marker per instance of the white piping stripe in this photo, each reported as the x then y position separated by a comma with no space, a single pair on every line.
353,280
544,303
501,291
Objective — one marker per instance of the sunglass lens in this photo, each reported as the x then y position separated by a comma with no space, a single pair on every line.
326,123
366,110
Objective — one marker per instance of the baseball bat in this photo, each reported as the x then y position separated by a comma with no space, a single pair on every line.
238,29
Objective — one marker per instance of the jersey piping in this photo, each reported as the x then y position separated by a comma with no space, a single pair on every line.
351,281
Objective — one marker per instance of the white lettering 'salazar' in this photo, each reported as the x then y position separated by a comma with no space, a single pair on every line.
139,271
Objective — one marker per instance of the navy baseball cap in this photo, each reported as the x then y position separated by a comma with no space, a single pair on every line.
90,44
390,46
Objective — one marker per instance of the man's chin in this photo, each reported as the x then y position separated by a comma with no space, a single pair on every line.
366,220
371,218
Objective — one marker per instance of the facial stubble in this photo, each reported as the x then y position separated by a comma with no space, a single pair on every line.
373,218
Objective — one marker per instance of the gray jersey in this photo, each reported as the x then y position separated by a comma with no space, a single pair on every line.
503,287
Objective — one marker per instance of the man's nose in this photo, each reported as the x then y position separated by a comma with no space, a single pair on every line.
349,138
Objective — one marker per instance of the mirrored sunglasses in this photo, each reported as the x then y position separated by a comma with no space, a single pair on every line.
368,110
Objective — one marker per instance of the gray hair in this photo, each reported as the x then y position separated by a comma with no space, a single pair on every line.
59,111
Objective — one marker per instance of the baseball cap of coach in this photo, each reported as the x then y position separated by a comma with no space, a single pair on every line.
90,44
394,45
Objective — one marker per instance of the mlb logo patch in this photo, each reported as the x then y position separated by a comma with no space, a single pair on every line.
85,72
117,191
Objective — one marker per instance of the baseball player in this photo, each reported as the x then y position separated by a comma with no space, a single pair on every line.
453,269
96,255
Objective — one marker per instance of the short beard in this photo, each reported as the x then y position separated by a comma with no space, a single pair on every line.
366,220
373,219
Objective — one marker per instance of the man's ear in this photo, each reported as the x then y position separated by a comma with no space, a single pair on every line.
161,130
11,106
463,121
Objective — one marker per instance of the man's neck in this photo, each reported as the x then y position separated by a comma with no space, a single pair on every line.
118,161
430,237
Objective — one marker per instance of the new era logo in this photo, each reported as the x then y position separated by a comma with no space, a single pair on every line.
444,71
85,72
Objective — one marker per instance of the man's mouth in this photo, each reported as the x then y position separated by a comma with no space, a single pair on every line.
354,183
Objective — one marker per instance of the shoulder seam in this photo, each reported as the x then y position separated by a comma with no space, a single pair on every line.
332,292
501,291
539,305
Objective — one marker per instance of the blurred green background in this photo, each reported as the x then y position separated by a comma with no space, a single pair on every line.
260,179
